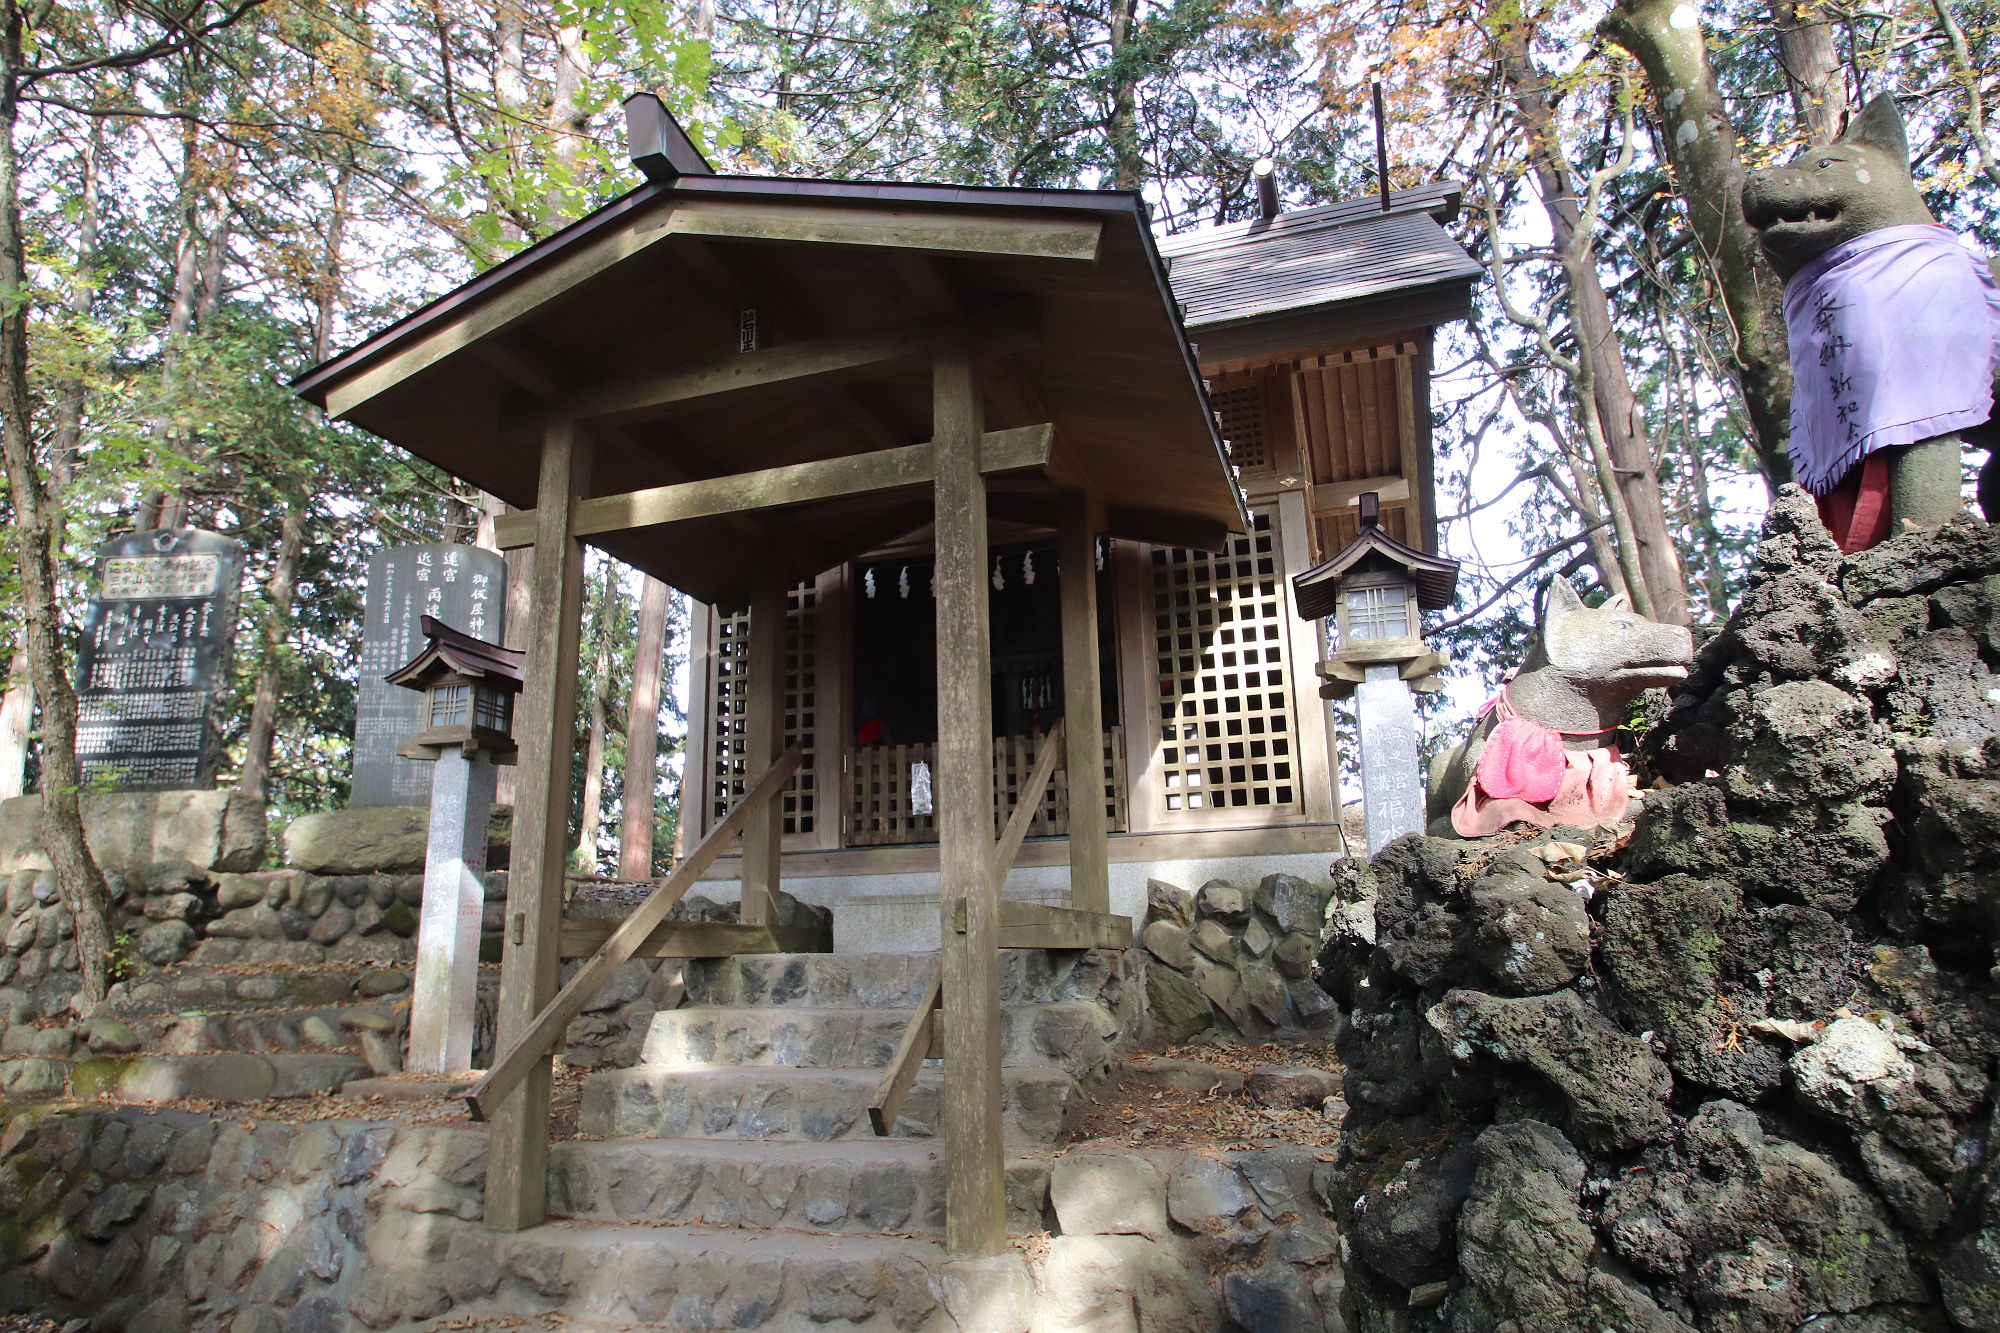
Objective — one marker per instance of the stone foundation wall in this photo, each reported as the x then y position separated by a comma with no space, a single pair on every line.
1238,960
165,1221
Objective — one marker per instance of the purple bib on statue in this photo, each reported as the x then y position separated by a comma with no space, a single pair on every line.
1895,337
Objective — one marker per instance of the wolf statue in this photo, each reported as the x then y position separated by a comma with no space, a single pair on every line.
1537,754
1894,329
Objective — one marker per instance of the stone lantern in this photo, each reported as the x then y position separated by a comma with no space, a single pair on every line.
469,687
1375,590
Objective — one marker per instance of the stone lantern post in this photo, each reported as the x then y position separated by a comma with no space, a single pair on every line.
1374,590
469,687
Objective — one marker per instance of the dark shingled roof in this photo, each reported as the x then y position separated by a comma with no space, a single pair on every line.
1316,257
460,652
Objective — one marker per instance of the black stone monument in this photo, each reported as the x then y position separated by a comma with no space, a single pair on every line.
463,586
155,655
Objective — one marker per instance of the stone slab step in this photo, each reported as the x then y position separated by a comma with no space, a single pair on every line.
886,980
265,1031
853,1186
210,990
1070,1034
690,1279
778,1102
227,1077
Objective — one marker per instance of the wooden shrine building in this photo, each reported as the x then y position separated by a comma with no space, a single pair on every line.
1313,330
940,464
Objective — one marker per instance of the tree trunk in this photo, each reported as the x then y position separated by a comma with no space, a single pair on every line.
1701,144
36,530
69,399
1128,168
255,780
1812,67
638,814
592,814
1617,407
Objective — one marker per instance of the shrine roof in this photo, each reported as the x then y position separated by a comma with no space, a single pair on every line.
1313,258
1061,292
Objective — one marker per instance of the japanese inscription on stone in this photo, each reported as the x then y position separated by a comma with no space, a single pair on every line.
463,586
156,641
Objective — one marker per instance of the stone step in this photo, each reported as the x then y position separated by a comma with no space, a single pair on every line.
234,1076
1069,1034
266,1031
601,1275
887,980
220,990
777,1102
854,1186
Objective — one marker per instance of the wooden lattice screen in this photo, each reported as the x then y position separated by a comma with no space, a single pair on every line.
1239,416
879,801
727,665
1227,740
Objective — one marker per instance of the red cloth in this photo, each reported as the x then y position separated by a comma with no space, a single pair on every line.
1522,761
1856,510
1524,775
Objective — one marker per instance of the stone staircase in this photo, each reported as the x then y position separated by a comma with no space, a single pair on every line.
731,1180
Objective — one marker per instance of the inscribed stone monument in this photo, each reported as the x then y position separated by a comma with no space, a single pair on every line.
155,653
463,586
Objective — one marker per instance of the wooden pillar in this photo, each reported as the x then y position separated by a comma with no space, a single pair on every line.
975,1170
518,1154
763,742
1083,710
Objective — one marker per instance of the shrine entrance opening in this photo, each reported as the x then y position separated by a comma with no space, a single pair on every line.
892,745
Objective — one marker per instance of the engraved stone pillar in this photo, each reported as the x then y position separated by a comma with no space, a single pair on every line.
1392,792
443,1006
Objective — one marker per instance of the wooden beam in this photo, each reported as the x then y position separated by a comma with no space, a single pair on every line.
530,1050
924,1037
763,742
1022,448
583,936
810,358
919,1040
1343,494
517,1176
975,1169
1043,926
1083,709
1041,237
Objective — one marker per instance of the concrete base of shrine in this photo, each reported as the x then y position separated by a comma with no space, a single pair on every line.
898,913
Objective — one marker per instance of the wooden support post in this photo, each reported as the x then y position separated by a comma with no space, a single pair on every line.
1083,710
518,1159
975,1169
763,742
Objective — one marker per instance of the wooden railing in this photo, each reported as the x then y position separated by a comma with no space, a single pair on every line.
878,790
627,940
920,1038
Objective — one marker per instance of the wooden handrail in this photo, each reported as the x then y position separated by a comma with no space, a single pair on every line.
554,1019
915,1047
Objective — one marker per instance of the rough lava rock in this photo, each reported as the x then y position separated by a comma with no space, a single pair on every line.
1746,1079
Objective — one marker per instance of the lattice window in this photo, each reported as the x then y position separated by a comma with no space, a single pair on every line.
1239,415
1225,710
729,678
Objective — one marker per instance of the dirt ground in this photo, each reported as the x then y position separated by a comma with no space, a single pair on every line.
1135,1113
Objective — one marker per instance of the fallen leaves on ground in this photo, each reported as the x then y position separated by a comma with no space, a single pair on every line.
1124,1111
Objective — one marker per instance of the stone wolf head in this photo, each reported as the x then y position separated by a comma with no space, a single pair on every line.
1857,184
